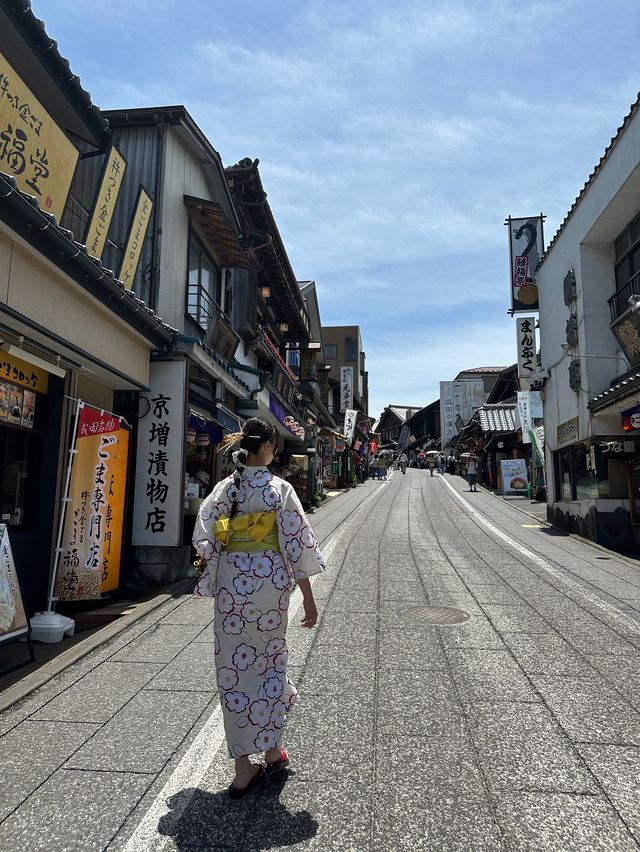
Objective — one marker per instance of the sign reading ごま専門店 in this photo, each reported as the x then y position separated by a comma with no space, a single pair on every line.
33,149
91,544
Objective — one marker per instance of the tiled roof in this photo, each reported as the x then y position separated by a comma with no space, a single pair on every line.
497,418
614,140
624,388
90,269
403,411
483,370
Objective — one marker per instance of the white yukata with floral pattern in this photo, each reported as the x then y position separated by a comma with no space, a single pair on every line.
252,593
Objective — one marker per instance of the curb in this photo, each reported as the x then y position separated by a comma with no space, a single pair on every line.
34,680
594,544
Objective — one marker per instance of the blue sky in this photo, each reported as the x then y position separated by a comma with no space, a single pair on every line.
394,138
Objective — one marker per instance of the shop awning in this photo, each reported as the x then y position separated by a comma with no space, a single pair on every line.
215,227
258,408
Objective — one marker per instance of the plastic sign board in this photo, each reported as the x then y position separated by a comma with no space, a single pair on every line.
515,479
13,618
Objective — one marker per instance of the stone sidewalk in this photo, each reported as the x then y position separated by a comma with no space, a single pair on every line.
517,728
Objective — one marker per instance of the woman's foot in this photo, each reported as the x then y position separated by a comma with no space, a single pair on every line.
245,779
276,758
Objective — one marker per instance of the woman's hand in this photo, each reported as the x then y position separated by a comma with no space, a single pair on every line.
310,613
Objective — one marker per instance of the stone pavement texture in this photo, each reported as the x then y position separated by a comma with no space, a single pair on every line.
516,729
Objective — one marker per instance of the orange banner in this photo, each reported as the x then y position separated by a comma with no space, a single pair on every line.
91,545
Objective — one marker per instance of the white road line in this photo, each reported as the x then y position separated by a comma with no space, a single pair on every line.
198,758
609,609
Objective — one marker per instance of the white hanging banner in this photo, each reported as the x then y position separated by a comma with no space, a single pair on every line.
524,414
526,346
346,388
349,424
157,511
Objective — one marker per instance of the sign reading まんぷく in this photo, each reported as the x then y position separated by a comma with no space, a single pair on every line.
33,149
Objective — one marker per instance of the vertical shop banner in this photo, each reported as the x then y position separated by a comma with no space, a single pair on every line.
105,204
13,618
157,511
514,476
526,346
346,388
89,554
33,149
526,247
135,240
447,419
524,414
349,424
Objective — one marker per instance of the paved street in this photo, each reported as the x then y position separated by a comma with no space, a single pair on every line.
517,728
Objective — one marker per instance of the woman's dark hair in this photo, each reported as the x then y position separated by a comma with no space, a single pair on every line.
255,433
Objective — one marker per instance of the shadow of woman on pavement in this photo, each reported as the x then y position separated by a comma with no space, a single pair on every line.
199,821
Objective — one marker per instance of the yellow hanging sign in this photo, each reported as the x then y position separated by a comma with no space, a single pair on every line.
137,233
105,202
33,149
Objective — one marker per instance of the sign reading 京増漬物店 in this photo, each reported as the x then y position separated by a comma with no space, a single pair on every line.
157,511
13,618
33,149
514,476
91,545
20,372
526,345
105,203
526,247
135,240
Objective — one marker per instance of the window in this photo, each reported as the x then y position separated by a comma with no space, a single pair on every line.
203,286
564,487
330,351
19,453
350,349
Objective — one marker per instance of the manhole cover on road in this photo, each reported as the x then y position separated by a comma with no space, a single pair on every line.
436,614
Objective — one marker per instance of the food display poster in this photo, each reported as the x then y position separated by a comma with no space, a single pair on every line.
514,476
13,618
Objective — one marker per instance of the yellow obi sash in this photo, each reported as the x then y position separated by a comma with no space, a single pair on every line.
248,533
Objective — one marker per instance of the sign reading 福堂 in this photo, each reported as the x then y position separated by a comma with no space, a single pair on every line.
106,200
13,618
135,241
91,545
526,247
33,149
526,344
157,511
346,388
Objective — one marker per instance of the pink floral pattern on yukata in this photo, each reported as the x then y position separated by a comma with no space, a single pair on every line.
252,592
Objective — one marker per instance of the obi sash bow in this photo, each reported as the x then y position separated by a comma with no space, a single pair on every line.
248,533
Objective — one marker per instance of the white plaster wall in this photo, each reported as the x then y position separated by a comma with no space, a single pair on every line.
585,244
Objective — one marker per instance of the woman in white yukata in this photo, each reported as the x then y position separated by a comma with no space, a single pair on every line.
256,544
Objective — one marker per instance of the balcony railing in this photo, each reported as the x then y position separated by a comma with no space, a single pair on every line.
619,302
201,307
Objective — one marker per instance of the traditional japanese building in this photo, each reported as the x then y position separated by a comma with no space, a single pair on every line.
589,286
70,329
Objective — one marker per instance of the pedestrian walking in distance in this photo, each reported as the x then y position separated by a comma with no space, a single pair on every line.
431,462
472,473
256,544
402,462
